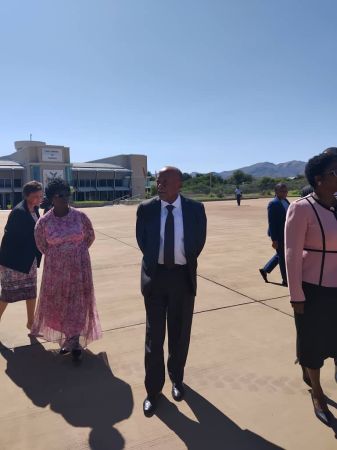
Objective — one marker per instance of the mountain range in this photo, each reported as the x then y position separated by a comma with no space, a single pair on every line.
267,169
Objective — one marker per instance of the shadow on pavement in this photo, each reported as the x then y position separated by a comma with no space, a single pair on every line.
211,429
86,396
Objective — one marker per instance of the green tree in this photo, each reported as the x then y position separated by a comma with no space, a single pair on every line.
266,183
238,177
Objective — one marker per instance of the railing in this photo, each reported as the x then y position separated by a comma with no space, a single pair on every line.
127,200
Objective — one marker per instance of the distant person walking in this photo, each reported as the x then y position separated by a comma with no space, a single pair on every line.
66,311
238,195
19,255
171,233
311,257
277,210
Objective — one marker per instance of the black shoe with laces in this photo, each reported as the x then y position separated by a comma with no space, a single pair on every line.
150,405
178,391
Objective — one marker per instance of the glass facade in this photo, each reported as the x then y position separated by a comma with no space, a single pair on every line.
96,185
35,173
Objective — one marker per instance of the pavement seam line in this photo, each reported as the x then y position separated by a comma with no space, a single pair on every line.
199,275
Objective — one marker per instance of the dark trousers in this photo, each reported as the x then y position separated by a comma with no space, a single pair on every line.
281,260
271,264
238,199
171,301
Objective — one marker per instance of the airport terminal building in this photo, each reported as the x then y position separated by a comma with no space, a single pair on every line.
105,179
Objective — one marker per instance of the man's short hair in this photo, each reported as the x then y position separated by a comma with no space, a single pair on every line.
173,169
30,187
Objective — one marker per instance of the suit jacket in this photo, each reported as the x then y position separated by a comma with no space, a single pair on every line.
18,248
148,238
276,219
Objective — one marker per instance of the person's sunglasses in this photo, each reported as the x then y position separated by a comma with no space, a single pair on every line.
63,195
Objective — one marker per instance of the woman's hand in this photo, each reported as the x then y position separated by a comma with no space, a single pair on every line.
274,245
298,308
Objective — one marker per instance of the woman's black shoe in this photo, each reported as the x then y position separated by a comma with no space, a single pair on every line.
76,355
64,351
325,416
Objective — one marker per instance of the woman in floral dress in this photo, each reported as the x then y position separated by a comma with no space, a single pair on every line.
66,311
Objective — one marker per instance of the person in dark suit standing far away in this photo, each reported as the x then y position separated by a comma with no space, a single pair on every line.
171,233
277,211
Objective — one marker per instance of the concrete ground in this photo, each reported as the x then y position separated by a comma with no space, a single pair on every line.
244,390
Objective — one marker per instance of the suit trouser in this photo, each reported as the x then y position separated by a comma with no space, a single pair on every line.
271,264
171,301
281,260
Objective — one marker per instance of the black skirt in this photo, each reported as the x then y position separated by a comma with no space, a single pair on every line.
317,327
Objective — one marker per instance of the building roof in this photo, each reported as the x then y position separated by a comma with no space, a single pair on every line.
100,167
6,164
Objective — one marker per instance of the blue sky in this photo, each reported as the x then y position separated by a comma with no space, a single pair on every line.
207,85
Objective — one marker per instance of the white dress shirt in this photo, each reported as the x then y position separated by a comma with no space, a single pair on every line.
179,247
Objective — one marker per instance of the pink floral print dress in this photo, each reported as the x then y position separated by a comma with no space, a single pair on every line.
66,310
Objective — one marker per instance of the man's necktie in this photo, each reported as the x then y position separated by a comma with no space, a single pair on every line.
169,238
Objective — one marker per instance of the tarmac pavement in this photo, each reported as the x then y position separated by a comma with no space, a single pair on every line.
244,390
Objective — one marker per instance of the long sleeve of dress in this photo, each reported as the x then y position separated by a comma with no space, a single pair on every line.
40,237
295,233
89,234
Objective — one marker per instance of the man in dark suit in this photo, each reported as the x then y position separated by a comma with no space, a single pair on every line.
171,233
277,211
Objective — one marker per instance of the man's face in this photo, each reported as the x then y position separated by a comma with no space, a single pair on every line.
168,185
282,192
35,198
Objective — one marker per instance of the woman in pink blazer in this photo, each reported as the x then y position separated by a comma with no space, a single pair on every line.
311,260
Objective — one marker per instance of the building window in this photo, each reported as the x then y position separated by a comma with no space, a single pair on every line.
5,183
17,182
35,173
69,174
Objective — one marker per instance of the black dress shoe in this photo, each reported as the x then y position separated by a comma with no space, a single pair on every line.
150,405
76,355
178,392
284,283
263,275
